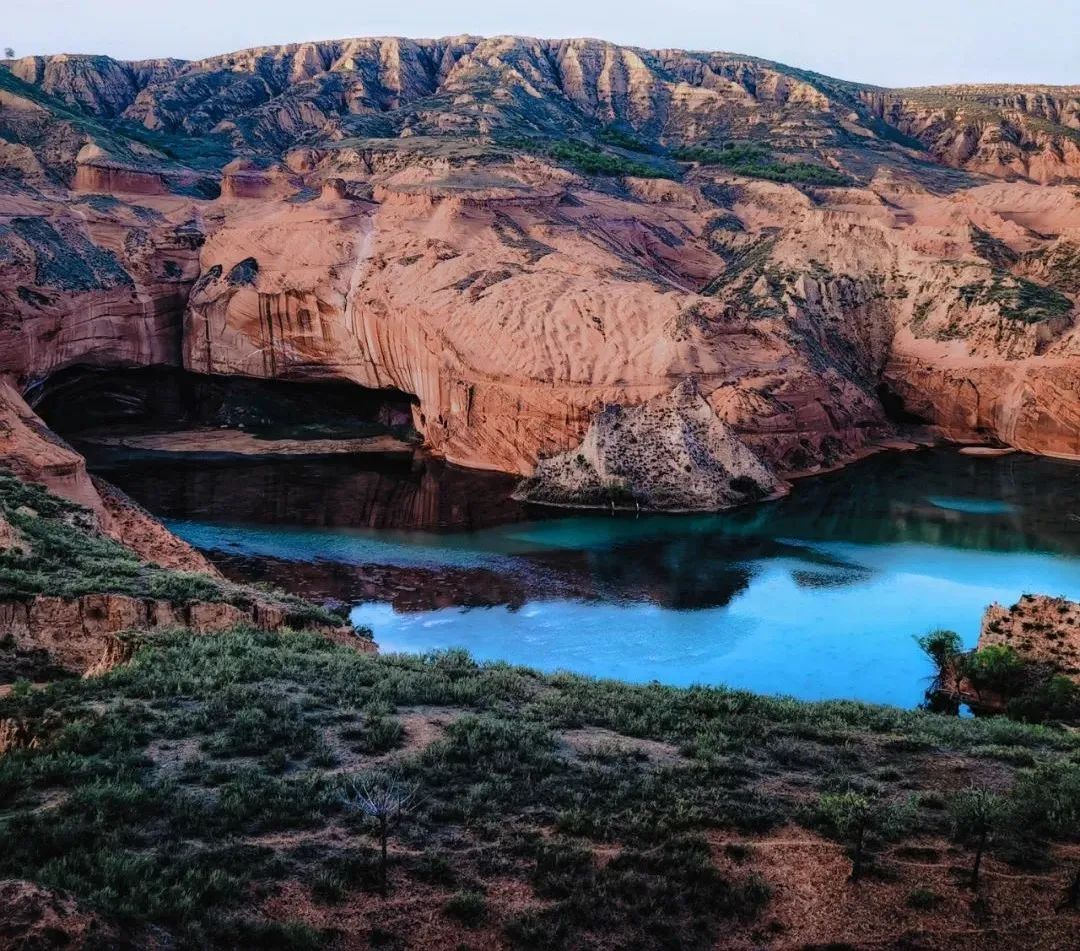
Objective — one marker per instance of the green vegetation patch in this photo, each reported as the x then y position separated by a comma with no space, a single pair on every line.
613,135
64,555
68,259
593,160
1030,691
207,771
757,161
1018,299
601,160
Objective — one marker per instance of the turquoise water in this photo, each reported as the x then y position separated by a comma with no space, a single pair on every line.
818,595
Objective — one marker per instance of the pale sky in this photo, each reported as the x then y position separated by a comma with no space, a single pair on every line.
901,43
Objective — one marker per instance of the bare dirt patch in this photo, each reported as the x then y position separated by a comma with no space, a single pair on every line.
815,903
412,916
593,741
170,756
35,917
424,725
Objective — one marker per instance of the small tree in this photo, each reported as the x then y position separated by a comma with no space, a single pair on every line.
852,817
9,53
384,799
945,650
977,814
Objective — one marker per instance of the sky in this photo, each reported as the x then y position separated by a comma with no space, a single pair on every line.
905,43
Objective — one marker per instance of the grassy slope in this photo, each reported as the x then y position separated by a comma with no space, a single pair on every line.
64,555
196,788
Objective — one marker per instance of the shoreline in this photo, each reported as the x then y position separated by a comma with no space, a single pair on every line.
233,444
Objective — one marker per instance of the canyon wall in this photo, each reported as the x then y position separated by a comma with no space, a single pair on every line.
417,216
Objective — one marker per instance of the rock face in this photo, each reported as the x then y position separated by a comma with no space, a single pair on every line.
1039,628
79,632
35,454
670,453
427,218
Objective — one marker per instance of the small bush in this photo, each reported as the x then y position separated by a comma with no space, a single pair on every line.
997,667
328,888
1057,698
470,908
924,899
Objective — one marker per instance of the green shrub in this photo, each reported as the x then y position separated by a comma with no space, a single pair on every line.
756,161
924,899
379,734
470,908
854,817
942,647
997,667
1057,698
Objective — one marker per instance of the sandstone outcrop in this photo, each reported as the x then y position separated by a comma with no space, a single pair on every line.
379,216
78,632
671,453
1039,628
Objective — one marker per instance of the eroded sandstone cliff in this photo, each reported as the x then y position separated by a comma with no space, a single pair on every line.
519,232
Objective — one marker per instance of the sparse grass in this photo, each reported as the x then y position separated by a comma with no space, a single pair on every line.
163,776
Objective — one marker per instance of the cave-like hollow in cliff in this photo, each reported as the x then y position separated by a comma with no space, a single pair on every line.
84,400
892,403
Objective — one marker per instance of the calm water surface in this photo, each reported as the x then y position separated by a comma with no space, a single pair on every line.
818,595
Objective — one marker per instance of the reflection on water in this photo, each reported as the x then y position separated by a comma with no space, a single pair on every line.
358,491
817,595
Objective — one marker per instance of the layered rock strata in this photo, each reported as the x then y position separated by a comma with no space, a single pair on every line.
427,218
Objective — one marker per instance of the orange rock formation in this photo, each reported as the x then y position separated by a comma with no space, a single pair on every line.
397,214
